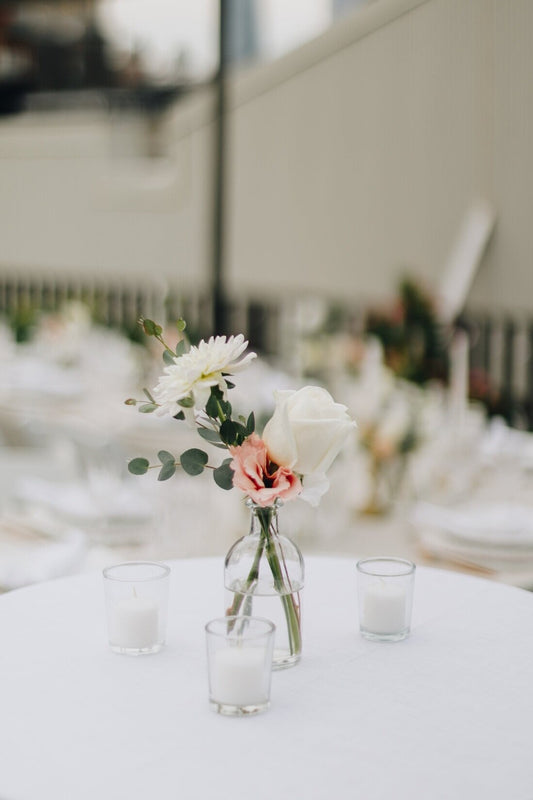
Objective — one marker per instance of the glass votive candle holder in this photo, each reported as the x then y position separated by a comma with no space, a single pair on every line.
136,595
239,664
385,594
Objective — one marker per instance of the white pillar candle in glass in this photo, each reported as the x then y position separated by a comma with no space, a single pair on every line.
385,592
383,609
238,676
239,664
136,594
134,623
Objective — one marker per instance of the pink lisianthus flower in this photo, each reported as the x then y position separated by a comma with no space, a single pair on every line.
258,477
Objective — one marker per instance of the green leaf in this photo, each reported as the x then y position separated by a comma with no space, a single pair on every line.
167,471
223,476
186,402
250,425
179,415
212,405
168,358
149,396
180,348
193,461
212,437
228,432
147,408
241,432
209,435
138,466
165,456
181,324
230,385
151,328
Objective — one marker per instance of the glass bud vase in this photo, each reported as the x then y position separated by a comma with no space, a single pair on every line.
263,577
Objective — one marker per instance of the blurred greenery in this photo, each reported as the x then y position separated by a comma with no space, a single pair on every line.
414,342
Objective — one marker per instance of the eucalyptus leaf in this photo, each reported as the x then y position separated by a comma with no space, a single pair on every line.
193,461
138,466
151,328
212,437
241,432
186,402
148,408
209,435
216,407
180,348
168,358
212,405
167,471
148,395
228,432
165,456
223,476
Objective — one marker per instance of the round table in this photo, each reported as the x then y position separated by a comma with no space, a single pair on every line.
445,713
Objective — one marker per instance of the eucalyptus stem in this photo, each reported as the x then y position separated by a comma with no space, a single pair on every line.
221,414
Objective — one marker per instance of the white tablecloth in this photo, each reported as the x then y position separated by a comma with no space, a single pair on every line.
446,713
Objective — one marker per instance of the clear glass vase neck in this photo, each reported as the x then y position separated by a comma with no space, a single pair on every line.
263,519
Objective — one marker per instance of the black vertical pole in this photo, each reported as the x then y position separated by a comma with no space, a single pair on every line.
529,388
218,297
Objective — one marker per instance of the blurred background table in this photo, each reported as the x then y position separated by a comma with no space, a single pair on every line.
426,476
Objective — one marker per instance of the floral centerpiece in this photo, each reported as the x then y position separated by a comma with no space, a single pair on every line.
289,459
390,414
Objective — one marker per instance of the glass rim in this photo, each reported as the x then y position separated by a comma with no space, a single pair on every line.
275,504
269,625
364,565
164,570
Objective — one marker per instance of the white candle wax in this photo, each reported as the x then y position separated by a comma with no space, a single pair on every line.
384,608
459,372
135,623
237,676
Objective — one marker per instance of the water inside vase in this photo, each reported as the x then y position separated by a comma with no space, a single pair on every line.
273,606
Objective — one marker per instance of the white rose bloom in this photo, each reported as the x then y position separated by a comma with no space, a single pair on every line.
204,366
307,430
314,486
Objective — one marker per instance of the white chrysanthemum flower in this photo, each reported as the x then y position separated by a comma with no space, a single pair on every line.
194,373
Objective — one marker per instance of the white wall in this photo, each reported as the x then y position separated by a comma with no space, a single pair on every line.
359,155
77,195
350,160
361,163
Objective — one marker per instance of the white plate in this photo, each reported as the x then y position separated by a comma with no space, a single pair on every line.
490,524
